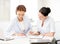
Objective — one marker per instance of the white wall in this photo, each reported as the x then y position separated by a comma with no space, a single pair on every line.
54,5
4,10
57,30
31,6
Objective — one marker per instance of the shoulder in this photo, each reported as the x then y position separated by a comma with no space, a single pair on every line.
50,19
13,21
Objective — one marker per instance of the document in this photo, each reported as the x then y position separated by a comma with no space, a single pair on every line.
35,36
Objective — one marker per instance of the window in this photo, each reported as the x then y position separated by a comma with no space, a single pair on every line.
4,10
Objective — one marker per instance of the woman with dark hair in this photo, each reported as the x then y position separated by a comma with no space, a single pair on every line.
45,23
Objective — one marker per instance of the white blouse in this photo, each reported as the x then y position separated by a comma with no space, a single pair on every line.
49,25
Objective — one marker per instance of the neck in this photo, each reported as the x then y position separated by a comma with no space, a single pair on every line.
20,20
44,19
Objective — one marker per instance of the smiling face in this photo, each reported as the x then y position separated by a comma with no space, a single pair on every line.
20,15
43,13
41,16
20,11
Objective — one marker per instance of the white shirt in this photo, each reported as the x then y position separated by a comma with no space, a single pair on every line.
47,27
19,27
22,25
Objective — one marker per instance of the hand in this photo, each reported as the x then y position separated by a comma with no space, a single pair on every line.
31,32
21,34
34,33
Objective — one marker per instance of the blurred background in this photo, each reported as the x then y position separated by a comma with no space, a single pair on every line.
8,7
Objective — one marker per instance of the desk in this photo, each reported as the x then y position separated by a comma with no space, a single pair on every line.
40,41
18,40
44,40
26,40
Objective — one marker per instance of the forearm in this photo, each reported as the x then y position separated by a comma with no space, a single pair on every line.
18,34
51,34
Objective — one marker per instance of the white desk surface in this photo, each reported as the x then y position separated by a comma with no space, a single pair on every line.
26,40
41,39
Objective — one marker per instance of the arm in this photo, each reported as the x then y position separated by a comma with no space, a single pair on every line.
52,29
51,34
18,34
